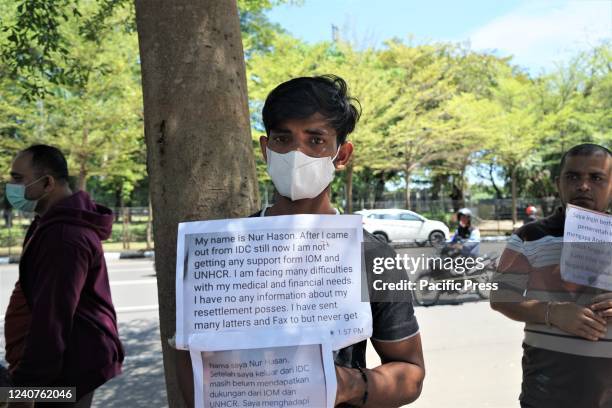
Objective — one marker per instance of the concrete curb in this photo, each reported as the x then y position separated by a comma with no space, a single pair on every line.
136,254
5,260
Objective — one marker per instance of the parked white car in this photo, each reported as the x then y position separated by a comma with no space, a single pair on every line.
403,225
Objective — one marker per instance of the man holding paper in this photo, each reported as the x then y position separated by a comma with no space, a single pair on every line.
307,121
567,359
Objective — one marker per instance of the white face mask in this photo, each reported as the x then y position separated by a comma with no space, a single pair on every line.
297,175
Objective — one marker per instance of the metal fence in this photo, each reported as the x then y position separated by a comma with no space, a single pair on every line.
493,216
134,224
490,209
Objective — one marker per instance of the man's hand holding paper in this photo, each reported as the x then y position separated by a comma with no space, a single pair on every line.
602,306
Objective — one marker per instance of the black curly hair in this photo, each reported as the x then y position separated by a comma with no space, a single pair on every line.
302,97
584,149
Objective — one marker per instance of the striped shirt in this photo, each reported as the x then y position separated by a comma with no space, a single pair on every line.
530,266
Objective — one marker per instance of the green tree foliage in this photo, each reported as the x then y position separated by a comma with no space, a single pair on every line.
97,120
37,51
430,112
71,78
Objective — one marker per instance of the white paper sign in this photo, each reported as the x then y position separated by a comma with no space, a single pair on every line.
586,258
297,276
294,376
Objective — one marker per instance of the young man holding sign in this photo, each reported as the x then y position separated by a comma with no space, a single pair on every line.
307,121
567,359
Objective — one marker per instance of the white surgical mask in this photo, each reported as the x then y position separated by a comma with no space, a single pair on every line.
297,175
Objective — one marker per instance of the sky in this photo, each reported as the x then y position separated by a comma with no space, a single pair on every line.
539,34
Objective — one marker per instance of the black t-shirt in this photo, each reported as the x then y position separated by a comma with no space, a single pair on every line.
391,320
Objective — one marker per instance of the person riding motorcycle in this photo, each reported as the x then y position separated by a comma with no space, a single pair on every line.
454,267
531,214
466,240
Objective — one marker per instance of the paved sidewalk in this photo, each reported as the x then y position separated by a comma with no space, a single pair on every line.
142,383
472,358
472,353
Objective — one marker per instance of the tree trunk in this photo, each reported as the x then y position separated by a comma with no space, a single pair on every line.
513,177
199,152
125,236
407,154
408,203
82,179
150,226
498,193
436,187
349,189
457,196
379,187
118,203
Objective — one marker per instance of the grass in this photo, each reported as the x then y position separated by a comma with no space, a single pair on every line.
118,246
14,251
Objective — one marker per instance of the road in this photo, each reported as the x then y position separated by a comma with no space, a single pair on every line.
134,291
472,353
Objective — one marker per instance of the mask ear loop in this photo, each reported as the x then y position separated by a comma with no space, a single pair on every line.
36,181
336,155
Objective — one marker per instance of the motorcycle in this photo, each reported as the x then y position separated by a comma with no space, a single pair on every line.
445,276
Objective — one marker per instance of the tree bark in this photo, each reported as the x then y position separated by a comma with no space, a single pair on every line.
408,149
498,193
118,203
125,236
408,201
457,195
199,153
82,179
379,187
150,226
436,187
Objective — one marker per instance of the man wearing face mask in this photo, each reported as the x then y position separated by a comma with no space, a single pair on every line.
60,324
567,348
307,121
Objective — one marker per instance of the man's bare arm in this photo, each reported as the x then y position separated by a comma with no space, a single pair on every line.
513,305
396,382
569,317
602,305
